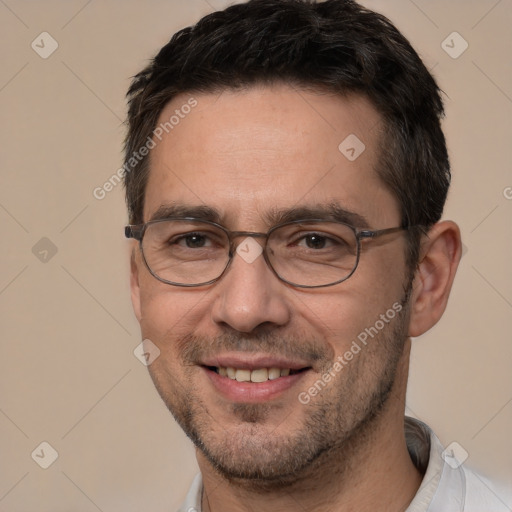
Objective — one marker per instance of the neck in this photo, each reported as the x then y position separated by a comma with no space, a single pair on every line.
371,472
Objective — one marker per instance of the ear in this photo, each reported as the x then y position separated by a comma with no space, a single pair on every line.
134,281
440,254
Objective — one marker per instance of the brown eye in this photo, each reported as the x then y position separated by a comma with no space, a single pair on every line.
192,241
317,241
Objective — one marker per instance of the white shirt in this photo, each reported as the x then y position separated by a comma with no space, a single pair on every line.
448,485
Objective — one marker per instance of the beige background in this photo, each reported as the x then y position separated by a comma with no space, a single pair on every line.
68,375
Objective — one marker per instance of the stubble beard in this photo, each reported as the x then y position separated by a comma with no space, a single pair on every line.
334,424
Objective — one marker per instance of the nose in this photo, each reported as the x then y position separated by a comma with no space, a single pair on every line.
249,296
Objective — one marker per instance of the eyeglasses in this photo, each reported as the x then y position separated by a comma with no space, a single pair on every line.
311,253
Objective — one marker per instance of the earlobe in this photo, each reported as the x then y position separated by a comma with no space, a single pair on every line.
134,284
439,258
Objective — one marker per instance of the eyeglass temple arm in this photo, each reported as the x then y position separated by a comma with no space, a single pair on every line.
134,231
380,232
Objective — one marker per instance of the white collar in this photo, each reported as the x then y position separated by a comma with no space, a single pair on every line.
443,487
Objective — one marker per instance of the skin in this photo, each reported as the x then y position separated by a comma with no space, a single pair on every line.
245,153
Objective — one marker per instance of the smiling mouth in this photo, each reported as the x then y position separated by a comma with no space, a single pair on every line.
256,375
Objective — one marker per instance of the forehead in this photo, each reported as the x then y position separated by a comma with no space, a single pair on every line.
249,152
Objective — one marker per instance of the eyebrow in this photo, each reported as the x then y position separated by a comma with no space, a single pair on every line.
332,211
200,212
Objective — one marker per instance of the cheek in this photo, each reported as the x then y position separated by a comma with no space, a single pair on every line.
340,321
357,305
170,313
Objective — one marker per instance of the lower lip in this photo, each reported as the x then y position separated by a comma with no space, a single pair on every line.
253,392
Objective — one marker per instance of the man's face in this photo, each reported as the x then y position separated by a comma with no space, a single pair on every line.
248,155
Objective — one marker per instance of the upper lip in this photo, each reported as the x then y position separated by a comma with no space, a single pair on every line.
253,362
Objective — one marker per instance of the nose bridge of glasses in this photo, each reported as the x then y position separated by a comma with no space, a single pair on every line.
244,234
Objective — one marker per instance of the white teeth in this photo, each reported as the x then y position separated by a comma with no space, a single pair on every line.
258,375
243,375
274,373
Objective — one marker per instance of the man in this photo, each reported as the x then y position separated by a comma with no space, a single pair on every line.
285,175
